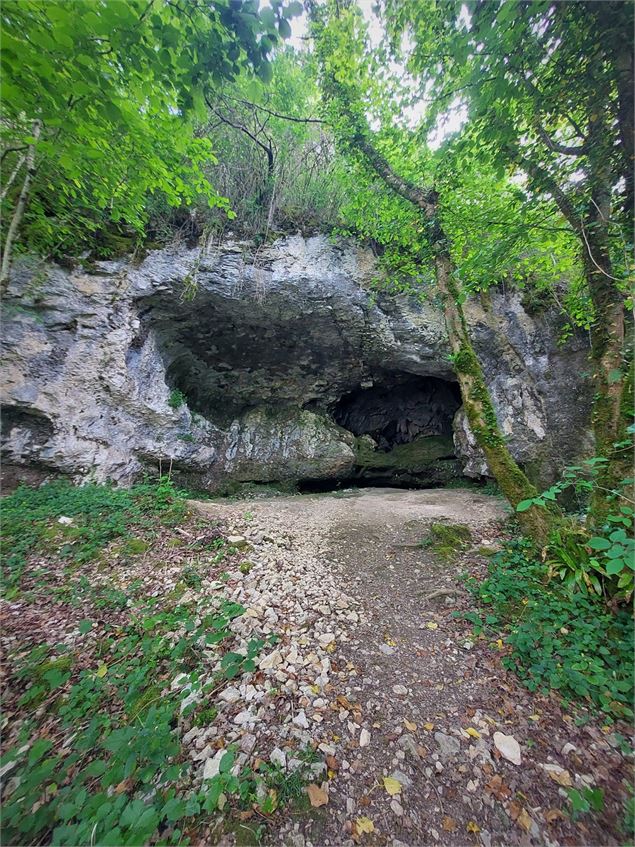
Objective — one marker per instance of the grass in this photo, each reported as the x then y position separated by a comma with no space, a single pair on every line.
447,540
92,516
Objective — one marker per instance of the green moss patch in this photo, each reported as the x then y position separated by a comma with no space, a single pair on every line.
448,540
415,456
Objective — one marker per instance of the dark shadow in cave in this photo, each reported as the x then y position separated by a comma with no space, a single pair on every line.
398,411
403,425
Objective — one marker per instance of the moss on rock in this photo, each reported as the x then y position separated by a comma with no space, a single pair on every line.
415,456
447,540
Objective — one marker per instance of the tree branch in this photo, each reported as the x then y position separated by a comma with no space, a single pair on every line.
555,146
277,114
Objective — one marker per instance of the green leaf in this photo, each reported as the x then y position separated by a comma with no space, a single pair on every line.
524,505
97,767
599,543
284,28
615,566
227,762
85,626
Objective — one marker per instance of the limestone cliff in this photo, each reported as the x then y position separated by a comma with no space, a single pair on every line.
247,364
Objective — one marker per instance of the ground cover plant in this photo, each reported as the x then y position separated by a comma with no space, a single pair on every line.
564,641
105,670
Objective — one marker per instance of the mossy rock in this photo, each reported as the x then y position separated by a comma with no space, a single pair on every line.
448,540
245,567
135,546
205,716
141,705
177,592
416,456
62,664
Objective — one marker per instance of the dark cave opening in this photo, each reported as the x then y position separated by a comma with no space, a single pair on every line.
400,410
403,425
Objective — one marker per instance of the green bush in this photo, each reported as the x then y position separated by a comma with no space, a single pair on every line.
176,399
559,639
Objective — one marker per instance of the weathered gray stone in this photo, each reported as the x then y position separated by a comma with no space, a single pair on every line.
262,344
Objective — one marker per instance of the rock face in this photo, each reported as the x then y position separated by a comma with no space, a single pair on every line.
262,364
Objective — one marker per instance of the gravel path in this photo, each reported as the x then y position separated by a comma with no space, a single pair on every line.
424,738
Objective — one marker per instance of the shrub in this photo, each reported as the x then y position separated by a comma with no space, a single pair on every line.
176,399
559,639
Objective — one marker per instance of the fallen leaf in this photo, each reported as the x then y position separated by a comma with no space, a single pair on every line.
499,643
514,810
497,787
318,796
411,727
559,775
524,820
432,625
428,726
102,671
474,733
392,786
472,826
448,824
332,763
552,815
364,800
124,785
534,717
364,825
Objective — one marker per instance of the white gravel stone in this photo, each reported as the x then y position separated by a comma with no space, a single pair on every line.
301,720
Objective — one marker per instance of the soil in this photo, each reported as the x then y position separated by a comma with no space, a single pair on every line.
416,698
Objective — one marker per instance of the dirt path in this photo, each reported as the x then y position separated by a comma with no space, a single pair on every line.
407,694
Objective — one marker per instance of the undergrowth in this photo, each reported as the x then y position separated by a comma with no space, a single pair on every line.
559,638
75,523
94,754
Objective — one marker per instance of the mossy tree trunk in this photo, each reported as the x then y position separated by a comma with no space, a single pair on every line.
536,522
610,370
351,126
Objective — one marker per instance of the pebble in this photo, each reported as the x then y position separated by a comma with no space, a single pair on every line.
450,746
400,690
278,757
301,720
396,808
364,738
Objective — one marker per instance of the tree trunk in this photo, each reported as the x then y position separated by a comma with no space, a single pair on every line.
607,331
607,350
536,522
18,213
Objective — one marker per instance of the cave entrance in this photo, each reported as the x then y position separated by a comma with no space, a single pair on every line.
400,410
403,425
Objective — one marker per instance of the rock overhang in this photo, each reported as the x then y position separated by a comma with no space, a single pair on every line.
262,343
